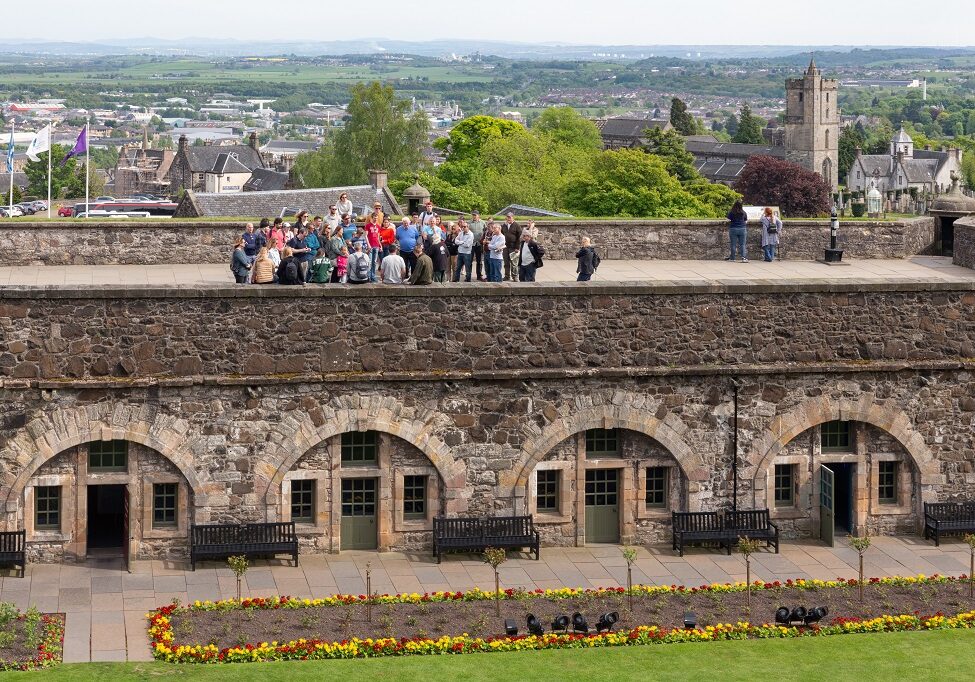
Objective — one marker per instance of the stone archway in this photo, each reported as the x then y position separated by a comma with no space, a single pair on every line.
296,435
815,411
52,433
617,409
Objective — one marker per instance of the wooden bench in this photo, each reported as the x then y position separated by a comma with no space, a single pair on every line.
477,534
13,549
948,518
252,540
698,528
754,524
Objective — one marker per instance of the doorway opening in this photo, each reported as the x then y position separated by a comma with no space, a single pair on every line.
107,519
843,496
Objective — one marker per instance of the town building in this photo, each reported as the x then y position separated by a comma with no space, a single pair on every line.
191,163
227,175
142,169
905,168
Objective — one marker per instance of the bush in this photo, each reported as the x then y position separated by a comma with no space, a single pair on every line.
859,209
768,181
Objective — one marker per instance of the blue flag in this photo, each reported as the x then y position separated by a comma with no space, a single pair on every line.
10,153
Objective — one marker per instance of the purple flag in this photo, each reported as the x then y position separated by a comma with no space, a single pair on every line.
80,147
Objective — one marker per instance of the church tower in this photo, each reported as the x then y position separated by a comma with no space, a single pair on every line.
812,123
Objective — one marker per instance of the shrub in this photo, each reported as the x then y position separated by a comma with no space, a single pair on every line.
767,181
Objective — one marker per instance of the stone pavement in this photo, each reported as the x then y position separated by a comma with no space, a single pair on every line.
917,269
106,606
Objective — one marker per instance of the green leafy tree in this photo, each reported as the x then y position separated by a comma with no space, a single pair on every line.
631,183
380,133
442,193
681,118
467,138
61,175
316,168
567,126
850,139
749,127
6,199
669,146
968,170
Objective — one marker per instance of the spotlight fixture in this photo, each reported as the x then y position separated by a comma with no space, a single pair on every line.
798,614
690,621
607,621
510,627
561,623
579,623
815,615
782,615
535,626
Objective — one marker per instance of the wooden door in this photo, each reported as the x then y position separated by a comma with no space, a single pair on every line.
827,504
359,513
602,505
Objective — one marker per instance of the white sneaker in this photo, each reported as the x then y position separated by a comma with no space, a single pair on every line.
744,260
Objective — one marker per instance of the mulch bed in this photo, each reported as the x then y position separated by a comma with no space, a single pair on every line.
30,640
236,627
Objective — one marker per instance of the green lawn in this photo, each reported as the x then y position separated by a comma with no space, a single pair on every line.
944,655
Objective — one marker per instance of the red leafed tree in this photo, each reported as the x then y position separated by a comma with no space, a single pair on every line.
799,193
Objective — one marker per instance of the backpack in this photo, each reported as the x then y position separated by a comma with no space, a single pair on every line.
291,273
773,227
361,268
595,260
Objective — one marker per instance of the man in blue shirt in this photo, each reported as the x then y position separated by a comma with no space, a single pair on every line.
312,243
348,229
407,235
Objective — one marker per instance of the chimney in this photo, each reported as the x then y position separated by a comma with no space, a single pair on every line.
183,144
378,178
252,141
859,152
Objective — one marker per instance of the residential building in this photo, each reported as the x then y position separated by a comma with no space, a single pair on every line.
191,163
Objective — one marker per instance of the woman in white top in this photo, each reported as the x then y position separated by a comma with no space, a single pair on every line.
343,205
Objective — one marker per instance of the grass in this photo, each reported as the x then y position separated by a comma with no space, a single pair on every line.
941,655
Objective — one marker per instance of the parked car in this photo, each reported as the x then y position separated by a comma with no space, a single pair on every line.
98,200
11,211
26,209
65,212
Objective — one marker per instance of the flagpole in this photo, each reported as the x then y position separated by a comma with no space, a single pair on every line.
50,148
87,162
13,131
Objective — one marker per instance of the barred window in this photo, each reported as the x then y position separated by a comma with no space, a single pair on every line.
47,507
108,455
303,500
414,497
784,485
602,443
547,490
164,501
359,448
887,483
657,487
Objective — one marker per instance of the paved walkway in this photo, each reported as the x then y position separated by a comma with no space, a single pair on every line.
106,606
920,268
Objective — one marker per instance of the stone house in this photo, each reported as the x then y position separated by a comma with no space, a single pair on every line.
905,168
192,163
227,175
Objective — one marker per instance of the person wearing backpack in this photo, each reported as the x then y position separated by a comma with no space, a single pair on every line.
289,272
321,268
240,263
771,231
588,261
360,265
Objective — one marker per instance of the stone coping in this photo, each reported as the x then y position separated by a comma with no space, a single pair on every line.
486,290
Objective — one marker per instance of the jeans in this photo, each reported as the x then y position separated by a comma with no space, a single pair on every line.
410,259
736,237
584,277
526,273
438,276
769,251
478,255
464,263
374,260
494,269
241,278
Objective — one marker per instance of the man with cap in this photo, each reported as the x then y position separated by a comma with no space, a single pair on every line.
408,235
512,236
477,229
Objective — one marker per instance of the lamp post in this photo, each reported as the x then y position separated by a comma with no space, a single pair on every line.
833,254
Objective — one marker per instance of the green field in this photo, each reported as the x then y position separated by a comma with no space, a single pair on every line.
937,655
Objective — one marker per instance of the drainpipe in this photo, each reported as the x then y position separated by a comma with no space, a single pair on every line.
735,384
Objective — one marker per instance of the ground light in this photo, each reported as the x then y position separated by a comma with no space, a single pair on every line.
690,621
561,623
816,614
534,626
579,623
607,621
782,615
510,627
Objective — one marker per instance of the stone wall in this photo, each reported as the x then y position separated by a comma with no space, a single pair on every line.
481,387
964,249
166,241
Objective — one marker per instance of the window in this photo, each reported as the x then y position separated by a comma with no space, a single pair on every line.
108,455
164,496
887,483
47,507
414,497
547,491
657,493
602,443
359,448
784,493
836,436
303,500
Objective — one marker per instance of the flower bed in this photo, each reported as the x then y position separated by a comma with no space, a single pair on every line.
285,628
30,640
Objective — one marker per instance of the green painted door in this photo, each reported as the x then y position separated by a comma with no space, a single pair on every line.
827,504
602,505
359,513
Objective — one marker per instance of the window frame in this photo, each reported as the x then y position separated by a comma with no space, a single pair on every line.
892,484
156,495
106,448
662,476
780,474
46,497
411,484
553,491
311,493
598,443
828,432
354,446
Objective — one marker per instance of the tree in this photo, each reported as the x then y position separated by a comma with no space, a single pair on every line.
749,127
850,139
680,118
566,126
731,126
968,170
467,138
380,133
629,182
768,181
669,146
61,175
7,200
442,193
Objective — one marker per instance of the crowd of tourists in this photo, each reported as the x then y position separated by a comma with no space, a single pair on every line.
419,249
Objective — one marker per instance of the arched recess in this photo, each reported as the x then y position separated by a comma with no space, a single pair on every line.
818,410
52,433
296,435
617,410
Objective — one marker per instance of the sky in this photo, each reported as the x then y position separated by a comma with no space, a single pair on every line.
606,22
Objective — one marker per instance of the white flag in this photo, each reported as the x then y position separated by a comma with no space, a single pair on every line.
40,143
